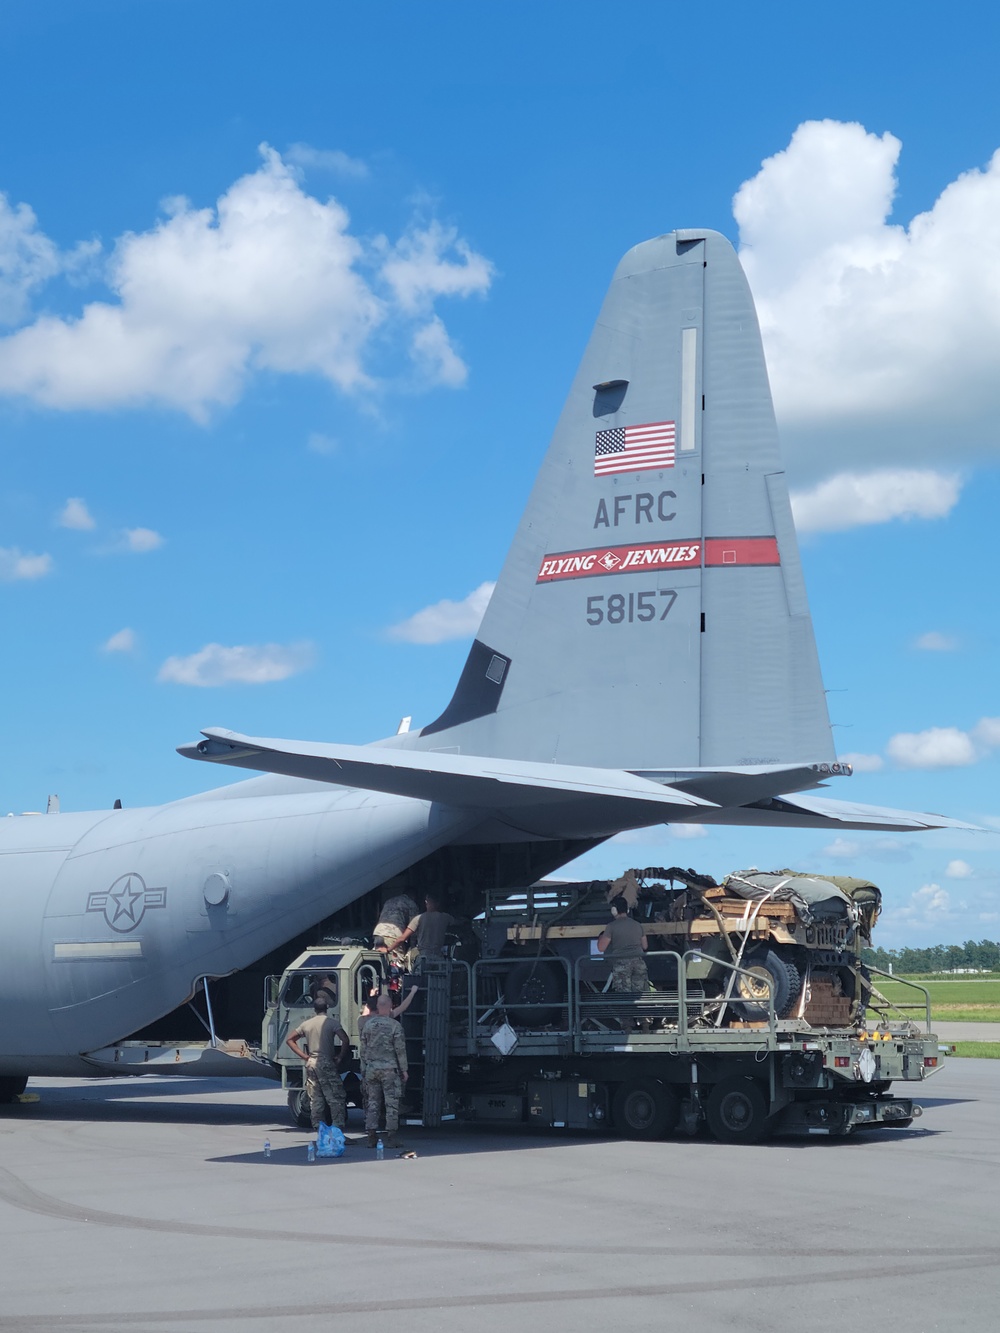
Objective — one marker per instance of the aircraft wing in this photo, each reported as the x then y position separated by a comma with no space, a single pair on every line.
554,800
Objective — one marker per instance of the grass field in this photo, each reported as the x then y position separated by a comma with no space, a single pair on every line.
976,1000
977,1050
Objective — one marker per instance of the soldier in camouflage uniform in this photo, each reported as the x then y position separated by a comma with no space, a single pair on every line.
321,1035
383,1068
623,942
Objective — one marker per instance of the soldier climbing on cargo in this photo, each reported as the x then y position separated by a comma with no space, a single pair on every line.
430,928
321,1035
383,1068
396,914
623,941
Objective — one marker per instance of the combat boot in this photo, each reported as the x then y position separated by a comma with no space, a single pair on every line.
393,1141
373,1138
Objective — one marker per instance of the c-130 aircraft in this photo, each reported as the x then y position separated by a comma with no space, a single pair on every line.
647,657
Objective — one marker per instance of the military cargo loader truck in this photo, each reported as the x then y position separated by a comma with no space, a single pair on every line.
759,1015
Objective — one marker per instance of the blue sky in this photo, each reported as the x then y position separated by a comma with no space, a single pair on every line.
298,393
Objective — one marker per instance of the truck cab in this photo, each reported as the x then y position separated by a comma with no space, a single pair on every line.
347,972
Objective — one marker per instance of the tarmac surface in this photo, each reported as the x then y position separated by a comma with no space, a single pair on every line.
148,1204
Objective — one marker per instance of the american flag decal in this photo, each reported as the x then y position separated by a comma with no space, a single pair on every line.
634,448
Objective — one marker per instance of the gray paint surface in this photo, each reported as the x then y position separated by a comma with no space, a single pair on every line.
638,695
157,1210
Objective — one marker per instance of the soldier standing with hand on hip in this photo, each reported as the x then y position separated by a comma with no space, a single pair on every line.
321,1035
383,1068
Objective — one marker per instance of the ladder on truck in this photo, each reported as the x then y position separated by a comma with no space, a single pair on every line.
435,981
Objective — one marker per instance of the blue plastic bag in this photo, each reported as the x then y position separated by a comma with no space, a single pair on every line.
329,1141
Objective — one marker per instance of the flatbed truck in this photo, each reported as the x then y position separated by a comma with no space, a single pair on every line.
530,1032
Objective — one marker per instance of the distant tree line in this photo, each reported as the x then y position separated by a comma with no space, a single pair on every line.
938,957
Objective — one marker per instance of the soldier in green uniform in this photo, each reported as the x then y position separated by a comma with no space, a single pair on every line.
320,1036
383,1068
624,942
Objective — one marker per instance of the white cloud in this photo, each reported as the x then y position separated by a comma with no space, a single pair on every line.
318,443
27,259
16,565
863,763
445,620
945,747
882,339
855,499
269,280
986,732
122,642
927,907
936,642
434,355
937,747
688,830
333,160
958,869
141,540
421,267
75,514
842,849
242,664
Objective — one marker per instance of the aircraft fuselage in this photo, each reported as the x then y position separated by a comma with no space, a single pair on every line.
111,917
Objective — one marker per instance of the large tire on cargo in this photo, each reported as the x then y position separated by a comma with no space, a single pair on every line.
768,968
737,1111
533,993
645,1109
298,1108
11,1087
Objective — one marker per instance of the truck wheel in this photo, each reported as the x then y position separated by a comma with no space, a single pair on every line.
767,967
533,991
11,1087
298,1108
737,1111
645,1109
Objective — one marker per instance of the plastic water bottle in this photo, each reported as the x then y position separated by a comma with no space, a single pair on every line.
267,1148
379,1149
311,1152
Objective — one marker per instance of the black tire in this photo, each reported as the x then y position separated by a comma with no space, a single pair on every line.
11,1087
645,1109
737,1111
750,999
533,992
298,1108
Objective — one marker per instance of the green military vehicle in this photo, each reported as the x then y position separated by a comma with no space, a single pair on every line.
520,1025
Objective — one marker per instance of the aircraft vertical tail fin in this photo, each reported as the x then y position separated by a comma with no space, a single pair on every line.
651,611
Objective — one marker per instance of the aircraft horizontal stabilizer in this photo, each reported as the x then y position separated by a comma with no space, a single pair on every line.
552,800
818,812
564,800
